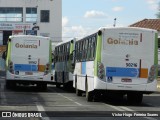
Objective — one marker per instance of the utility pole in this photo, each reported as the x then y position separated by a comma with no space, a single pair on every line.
114,25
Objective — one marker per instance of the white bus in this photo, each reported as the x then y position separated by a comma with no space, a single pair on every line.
118,61
158,56
28,60
53,67
64,64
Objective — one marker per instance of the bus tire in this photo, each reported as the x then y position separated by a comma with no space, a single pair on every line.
10,84
134,98
55,76
78,92
42,86
68,86
58,85
89,95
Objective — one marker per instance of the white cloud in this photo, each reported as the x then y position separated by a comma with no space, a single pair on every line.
154,7
151,1
117,9
64,21
153,4
76,31
95,14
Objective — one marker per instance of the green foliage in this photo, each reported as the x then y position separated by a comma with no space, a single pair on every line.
158,13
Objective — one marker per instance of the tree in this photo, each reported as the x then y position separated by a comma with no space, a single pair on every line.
158,13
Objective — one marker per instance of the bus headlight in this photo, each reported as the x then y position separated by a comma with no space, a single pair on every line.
47,69
10,67
101,71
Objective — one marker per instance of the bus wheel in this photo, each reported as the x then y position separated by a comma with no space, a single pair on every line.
68,86
42,86
89,95
58,85
10,84
134,98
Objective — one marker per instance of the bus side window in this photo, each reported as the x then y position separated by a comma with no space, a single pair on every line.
83,51
59,54
68,51
62,53
86,47
158,42
89,49
77,52
54,55
66,54
93,47
81,48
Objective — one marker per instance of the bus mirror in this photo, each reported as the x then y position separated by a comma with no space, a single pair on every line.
72,41
99,32
4,55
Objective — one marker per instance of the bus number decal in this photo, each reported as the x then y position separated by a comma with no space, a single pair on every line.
32,62
131,65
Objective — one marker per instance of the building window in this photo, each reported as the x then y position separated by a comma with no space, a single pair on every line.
31,14
44,15
11,14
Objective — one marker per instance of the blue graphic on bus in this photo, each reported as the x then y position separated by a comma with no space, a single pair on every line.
83,68
122,72
25,67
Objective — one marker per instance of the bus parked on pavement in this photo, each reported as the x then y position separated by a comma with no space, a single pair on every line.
158,56
28,60
64,64
120,61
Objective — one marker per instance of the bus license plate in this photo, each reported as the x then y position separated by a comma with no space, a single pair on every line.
126,80
28,73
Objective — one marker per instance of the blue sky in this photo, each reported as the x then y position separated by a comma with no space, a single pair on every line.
82,17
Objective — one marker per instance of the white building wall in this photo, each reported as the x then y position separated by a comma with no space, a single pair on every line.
54,27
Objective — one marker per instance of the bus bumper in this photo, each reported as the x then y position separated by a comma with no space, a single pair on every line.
101,85
10,76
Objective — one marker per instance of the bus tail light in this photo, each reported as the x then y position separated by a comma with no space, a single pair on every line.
152,74
10,67
101,71
46,69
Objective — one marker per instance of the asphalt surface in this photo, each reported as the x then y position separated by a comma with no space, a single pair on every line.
59,104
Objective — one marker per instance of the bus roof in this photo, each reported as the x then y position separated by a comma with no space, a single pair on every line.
61,43
138,28
27,36
105,28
